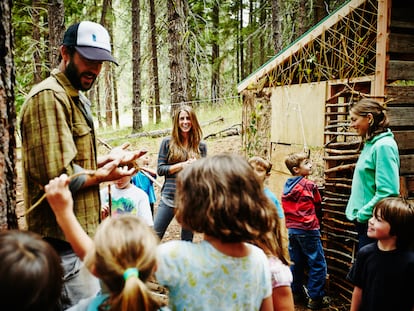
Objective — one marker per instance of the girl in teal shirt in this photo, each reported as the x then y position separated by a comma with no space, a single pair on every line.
376,174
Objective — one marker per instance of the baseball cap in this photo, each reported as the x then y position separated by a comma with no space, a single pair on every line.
91,40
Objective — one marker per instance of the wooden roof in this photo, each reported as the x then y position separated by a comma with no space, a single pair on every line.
341,46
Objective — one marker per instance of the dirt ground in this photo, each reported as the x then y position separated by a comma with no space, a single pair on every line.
231,144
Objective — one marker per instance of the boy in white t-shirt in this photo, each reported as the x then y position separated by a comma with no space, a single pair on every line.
122,197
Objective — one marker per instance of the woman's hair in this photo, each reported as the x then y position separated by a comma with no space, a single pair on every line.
266,164
222,197
122,243
177,151
380,120
31,275
399,213
294,160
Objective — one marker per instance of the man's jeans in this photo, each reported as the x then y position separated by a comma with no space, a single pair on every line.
163,218
305,250
78,282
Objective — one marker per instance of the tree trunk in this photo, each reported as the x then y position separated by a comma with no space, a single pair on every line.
154,62
178,54
302,18
277,25
56,13
136,66
215,53
8,218
241,41
106,21
37,74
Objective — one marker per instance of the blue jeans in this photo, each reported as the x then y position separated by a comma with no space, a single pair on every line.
305,250
163,218
78,282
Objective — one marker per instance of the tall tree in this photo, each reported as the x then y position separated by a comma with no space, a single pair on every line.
8,218
136,66
276,25
56,13
215,52
37,74
178,51
106,21
154,66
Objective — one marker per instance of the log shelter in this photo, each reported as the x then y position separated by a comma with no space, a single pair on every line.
300,98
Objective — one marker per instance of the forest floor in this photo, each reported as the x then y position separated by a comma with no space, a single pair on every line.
231,144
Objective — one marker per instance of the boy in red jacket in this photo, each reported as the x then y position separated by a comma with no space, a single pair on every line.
301,201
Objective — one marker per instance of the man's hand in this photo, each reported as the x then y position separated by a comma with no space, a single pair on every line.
122,154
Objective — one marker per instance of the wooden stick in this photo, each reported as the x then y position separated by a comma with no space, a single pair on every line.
85,172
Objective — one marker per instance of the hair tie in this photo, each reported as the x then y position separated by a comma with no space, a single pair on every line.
130,272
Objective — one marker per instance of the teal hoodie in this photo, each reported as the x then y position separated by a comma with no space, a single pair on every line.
376,176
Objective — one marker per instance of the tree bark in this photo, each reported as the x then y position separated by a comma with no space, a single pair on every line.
136,66
178,52
215,53
106,69
8,218
154,62
37,73
276,25
56,13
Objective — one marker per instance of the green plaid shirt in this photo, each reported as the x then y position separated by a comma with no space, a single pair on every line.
57,133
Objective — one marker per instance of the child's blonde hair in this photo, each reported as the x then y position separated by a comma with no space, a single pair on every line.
266,164
294,160
221,197
123,243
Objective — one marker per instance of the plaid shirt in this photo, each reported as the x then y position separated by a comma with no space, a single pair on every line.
57,133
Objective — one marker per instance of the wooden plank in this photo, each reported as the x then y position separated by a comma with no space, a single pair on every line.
400,70
401,43
399,95
401,116
407,164
405,139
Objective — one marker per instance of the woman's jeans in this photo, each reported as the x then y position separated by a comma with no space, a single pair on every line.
305,250
163,218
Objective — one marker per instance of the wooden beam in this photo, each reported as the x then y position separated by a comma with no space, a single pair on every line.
284,55
383,21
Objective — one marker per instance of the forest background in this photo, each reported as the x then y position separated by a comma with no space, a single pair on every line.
169,52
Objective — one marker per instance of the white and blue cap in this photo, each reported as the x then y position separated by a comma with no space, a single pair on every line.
91,40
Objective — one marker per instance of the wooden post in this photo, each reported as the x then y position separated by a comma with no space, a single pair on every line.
383,17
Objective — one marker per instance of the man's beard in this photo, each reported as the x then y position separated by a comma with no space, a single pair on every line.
74,76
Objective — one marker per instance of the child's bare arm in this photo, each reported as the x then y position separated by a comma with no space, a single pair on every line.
61,202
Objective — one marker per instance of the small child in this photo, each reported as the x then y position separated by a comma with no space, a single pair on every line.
126,198
31,276
301,201
122,254
383,273
144,180
262,168
220,197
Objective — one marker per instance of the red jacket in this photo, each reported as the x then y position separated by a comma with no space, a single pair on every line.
301,201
